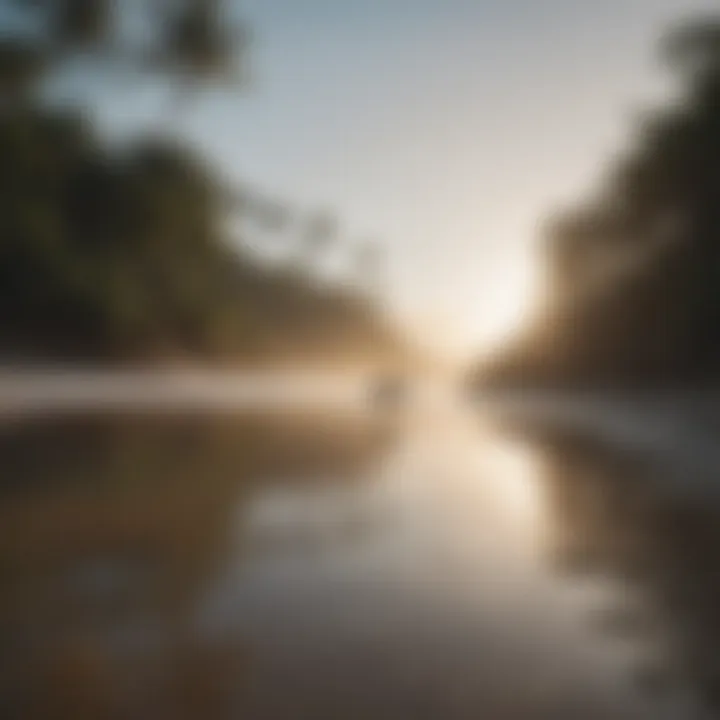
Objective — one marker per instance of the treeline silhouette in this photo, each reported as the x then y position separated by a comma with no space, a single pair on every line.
124,250
634,272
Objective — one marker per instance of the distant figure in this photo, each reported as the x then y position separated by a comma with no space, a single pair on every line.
388,392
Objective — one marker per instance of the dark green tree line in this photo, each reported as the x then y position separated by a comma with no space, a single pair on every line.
123,251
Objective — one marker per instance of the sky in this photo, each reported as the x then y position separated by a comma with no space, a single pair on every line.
446,129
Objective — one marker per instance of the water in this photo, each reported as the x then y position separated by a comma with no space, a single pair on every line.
446,562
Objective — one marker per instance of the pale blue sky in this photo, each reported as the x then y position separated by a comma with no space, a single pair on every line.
446,128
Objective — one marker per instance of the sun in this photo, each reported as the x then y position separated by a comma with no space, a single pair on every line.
486,315
504,303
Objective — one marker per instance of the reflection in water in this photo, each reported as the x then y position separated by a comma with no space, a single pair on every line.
111,527
648,525
295,567
420,592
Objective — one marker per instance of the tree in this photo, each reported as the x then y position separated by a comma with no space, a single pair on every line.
187,40
635,270
123,251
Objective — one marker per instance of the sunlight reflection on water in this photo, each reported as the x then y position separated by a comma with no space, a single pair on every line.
411,576
433,563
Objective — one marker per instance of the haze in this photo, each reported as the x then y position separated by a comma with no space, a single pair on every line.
445,129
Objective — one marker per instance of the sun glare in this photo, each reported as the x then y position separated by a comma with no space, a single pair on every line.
505,303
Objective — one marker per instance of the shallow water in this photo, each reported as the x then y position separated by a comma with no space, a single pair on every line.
443,563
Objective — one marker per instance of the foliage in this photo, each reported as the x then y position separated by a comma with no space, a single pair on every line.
635,271
199,39
123,252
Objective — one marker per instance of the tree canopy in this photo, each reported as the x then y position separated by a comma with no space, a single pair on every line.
123,251
634,271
